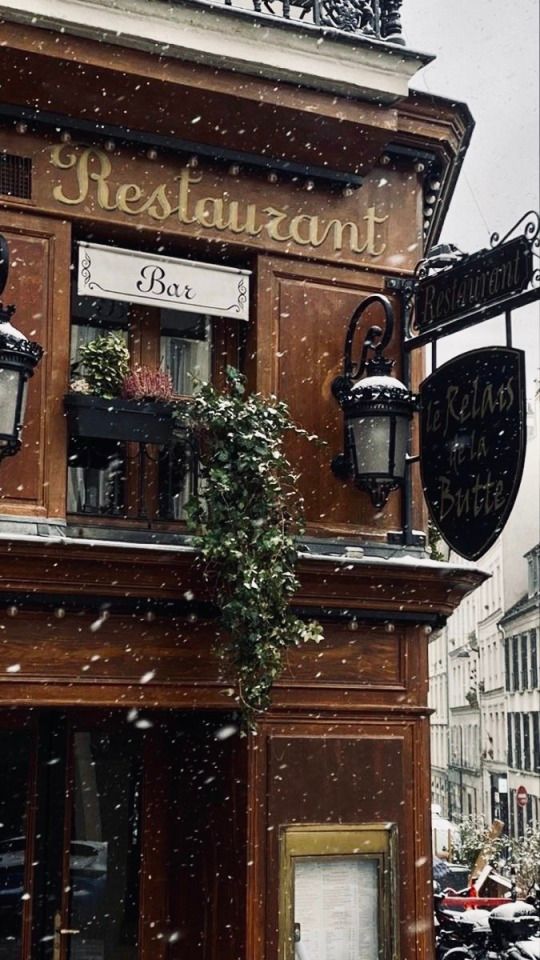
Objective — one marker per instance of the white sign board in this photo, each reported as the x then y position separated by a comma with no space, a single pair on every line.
336,905
136,277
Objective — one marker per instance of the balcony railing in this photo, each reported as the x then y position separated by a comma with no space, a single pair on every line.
375,19
132,481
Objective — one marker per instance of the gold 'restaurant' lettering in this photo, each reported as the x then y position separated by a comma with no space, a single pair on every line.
92,170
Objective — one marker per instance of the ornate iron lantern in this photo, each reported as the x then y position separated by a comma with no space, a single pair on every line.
377,409
18,358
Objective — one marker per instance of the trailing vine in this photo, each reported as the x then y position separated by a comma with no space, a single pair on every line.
244,524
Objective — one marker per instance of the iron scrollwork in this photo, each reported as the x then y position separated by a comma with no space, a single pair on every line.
391,20
378,19
530,228
372,18
353,16
527,226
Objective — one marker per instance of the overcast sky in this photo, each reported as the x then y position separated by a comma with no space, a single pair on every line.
487,56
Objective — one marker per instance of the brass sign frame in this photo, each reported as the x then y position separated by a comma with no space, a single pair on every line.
373,841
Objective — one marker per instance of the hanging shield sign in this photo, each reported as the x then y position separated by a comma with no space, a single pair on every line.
472,445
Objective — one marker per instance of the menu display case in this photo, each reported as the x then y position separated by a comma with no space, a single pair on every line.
337,885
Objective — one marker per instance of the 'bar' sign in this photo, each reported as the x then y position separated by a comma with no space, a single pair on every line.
135,277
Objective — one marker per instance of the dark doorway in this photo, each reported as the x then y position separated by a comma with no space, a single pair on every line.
113,827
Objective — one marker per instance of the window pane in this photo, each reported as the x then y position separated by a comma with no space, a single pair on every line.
105,846
185,349
526,742
515,663
510,738
524,662
92,317
99,312
14,750
534,660
517,733
536,742
96,477
177,479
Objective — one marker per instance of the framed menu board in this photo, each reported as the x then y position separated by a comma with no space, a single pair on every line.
338,892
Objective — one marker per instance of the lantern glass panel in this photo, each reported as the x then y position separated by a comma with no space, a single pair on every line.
371,438
9,394
401,442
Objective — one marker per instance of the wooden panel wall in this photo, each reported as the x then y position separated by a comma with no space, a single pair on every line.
174,662
33,483
89,649
303,314
322,771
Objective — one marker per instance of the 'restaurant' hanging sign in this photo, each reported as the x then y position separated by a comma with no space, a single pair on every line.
135,277
477,282
472,443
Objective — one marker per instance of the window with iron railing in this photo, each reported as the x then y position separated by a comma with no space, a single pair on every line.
144,483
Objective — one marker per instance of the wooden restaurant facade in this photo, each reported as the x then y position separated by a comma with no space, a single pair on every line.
136,823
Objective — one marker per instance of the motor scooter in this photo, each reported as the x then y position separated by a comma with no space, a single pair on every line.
460,935
515,927
508,932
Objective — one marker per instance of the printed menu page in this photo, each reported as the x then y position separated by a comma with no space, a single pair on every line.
336,905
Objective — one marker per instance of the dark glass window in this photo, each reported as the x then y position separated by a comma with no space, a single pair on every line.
507,663
515,663
14,751
91,318
97,477
534,660
524,661
535,717
110,478
534,572
526,743
185,349
105,845
510,739
145,482
517,741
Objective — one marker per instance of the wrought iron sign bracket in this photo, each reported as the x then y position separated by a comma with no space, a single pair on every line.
472,409
404,287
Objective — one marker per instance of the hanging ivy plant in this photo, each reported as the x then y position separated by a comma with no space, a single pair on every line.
244,524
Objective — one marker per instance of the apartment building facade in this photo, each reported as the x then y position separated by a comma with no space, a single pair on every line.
485,659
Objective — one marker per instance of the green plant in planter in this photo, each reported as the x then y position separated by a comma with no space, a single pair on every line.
105,364
244,529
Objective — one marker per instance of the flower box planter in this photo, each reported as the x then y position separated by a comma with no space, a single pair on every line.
133,421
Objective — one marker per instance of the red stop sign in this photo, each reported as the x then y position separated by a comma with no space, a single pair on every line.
522,796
